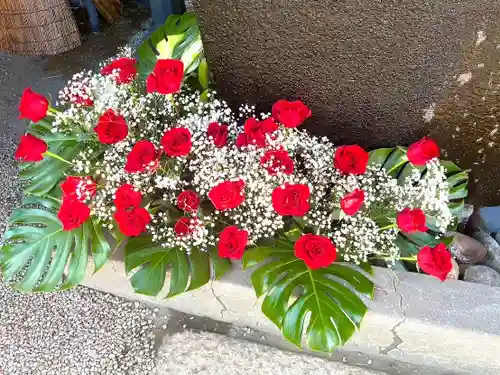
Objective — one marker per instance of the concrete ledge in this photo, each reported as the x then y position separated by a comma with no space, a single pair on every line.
448,328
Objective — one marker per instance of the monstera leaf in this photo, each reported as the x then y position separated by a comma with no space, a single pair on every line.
187,271
178,39
41,177
395,161
53,259
323,304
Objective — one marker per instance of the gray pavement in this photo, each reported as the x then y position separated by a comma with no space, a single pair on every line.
190,353
77,332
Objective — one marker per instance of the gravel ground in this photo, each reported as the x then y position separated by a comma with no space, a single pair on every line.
205,353
80,332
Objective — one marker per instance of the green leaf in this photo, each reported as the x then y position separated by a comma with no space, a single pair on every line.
379,156
407,248
458,192
395,162
450,167
43,176
101,250
54,259
179,38
292,291
408,171
220,265
203,74
456,208
187,271
458,178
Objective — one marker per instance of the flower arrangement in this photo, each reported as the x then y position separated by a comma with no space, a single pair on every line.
144,151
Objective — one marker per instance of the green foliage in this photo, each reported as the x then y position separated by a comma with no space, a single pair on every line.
41,177
179,39
54,259
329,296
187,271
395,161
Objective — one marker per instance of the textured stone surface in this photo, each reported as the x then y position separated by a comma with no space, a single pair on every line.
467,250
374,72
482,275
78,332
492,249
190,353
465,119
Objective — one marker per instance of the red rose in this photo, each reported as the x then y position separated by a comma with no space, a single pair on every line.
269,125
127,197
73,213
177,142
84,101
435,261
292,200
232,242
132,223
33,106
143,156
227,195
111,127
277,161
78,188
256,130
125,67
315,251
423,151
291,114
351,159
185,226
241,140
188,201
30,148
218,133
352,202
411,221
166,77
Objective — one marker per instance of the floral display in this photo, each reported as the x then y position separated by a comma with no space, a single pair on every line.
143,150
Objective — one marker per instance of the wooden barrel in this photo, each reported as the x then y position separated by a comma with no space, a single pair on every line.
37,27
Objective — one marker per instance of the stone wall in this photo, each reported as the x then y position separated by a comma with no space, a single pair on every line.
373,71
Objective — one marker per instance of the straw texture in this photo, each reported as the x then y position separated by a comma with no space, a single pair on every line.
37,27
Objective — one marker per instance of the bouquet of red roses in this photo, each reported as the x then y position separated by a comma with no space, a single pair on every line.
136,151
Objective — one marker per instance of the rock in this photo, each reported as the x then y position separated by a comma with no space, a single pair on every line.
467,250
475,223
463,268
497,237
492,249
455,270
486,219
482,275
